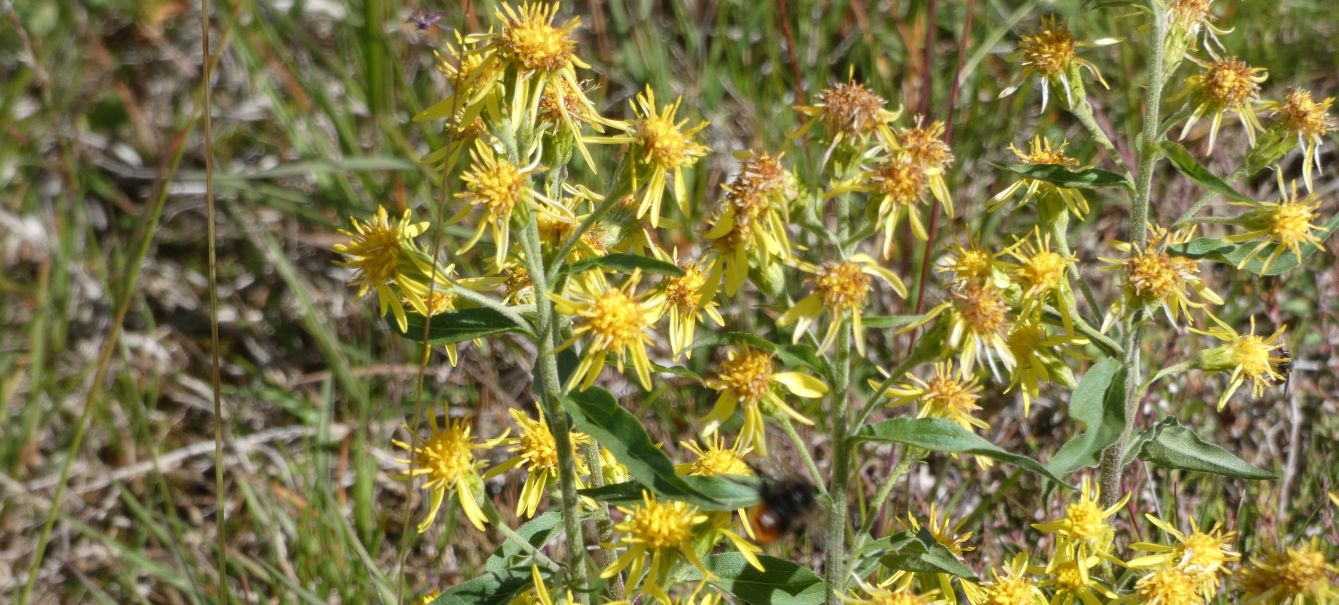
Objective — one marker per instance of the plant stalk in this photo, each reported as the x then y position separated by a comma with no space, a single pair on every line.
834,562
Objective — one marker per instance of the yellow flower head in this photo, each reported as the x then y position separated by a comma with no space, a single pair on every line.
665,147
529,40
497,187
972,263
1014,586
1043,274
1053,198
1155,278
382,253
1051,54
1067,574
849,112
838,287
1040,357
897,589
536,451
1290,576
1246,356
715,459
897,186
612,321
445,457
1309,120
1225,85
1286,224
747,377
977,317
1085,525
946,395
1202,555
925,145
755,207
1167,586
945,532
685,298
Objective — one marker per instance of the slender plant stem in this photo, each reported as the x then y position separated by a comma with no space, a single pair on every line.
550,394
1110,474
834,563
604,525
1084,112
880,391
803,449
1189,215
908,457
1060,233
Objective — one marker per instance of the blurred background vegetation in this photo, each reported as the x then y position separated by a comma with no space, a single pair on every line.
99,108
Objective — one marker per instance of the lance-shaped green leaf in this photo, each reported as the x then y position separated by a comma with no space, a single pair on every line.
452,327
782,582
624,263
1171,445
919,552
1201,175
939,435
1225,252
1099,403
1090,178
536,531
726,493
597,413
505,573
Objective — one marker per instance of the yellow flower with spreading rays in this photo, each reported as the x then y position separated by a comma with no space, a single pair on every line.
838,287
1289,576
441,299
1041,357
1286,224
1043,275
897,589
974,264
1051,54
1067,575
946,395
897,186
497,187
849,113
1165,586
1041,152
715,460
945,532
1187,18
756,205
385,259
445,457
1014,586
662,148
1153,278
536,451
685,299
1224,85
611,321
977,317
1246,356
926,146
655,534
1300,115
748,378
1203,555
1086,527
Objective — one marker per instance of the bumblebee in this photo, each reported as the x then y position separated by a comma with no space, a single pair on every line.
784,506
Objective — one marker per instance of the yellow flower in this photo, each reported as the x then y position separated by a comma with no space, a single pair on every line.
664,530
446,458
614,322
1225,85
1085,526
1166,586
1040,357
1050,54
944,396
897,185
838,287
1246,356
848,112
1043,275
977,318
895,590
755,206
945,532
926,146
1042,153
1154,278
497,186
1291,576
685,298
747,378
1187,18
715,459
383,254
1302,116
1067,574
1286,225
537,451
662,146
974,264
1013,587
1202,555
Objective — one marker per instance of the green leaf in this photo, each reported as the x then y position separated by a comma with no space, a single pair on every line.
726,493
918,551
1091,178
1172,445
783,582
1224,252
536,531
1099,403
679,371
939,435
598,414
457,326
888,321
1195,172
624,263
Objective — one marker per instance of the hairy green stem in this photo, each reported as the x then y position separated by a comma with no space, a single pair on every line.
1110,473
803,449
604,525
1084,112
834,562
